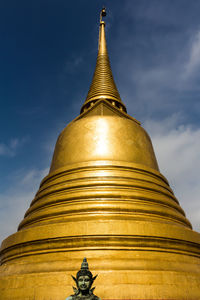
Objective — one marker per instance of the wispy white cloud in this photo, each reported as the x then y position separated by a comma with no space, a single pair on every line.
15,201
72,64
177,150
11,148
193,63
159,66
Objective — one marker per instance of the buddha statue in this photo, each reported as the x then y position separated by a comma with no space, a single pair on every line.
84,280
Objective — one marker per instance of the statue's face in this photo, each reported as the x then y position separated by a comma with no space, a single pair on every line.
84,283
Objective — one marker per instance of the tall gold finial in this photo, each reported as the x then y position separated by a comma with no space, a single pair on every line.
103,85
102,13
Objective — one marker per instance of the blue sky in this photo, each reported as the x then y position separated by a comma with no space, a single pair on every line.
47,58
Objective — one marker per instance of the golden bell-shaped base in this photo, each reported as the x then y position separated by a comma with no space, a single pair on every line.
103,199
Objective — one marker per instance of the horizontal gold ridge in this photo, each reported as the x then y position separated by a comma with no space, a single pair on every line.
85,192
112,242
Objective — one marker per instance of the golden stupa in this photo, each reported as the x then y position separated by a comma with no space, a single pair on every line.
105,199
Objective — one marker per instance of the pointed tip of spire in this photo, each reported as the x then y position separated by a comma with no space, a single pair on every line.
102,48
102,14
103,85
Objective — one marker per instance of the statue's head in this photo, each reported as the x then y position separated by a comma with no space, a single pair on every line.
84,278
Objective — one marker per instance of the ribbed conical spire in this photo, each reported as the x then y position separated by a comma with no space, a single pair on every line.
103,85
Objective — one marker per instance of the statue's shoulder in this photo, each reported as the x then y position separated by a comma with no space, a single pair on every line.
95,298
69,298
74,297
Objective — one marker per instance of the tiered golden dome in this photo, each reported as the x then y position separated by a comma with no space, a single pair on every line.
105,199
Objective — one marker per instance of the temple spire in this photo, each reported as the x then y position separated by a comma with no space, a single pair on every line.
103,85
102,49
